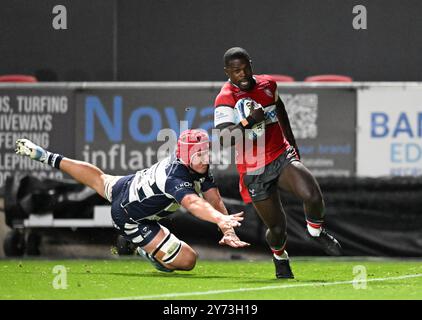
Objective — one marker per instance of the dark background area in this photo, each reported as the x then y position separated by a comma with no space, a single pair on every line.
111,40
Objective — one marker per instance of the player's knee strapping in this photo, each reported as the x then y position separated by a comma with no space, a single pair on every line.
171,246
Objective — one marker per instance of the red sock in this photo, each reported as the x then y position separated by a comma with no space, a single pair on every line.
279,252
315,225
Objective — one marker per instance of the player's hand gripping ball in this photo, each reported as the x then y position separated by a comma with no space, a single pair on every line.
245,107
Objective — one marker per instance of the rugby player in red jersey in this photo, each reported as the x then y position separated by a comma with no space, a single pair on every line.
282,165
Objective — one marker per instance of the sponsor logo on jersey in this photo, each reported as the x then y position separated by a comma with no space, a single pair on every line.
220,115
145,232
184,185
268,93
270,114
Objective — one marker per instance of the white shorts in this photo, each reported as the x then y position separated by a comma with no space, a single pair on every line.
109,182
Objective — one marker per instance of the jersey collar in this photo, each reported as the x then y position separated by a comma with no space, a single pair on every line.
253,77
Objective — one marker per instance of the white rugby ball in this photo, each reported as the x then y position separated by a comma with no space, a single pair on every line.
243,109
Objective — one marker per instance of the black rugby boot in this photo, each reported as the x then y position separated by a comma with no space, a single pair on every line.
327,242
282,269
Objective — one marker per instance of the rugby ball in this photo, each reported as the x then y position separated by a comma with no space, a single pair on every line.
243,109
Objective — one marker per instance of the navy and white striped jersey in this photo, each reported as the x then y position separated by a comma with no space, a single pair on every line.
156,192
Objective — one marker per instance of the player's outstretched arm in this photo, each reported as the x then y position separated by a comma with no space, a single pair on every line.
203,210
82,172
229,237
214,198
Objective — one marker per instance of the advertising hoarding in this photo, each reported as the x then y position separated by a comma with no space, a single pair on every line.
323,121
389,132
45,116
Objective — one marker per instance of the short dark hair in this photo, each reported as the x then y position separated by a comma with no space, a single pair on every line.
235,53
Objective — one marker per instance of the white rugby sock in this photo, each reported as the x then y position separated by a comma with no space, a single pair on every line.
283,256
314,232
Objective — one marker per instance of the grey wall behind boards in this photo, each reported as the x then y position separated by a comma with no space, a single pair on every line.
184,40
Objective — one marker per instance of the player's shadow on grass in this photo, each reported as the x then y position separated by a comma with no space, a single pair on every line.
158,275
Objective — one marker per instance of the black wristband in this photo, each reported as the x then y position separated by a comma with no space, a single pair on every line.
251,122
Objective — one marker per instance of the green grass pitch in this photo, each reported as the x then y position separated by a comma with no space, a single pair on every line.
210,280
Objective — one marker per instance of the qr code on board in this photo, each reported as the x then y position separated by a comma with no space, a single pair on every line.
302,110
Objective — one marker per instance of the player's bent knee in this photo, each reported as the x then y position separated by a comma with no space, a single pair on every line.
170,248
187,260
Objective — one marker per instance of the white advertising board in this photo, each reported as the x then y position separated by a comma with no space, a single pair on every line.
389,132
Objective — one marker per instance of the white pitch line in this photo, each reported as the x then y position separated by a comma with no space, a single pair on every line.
286,286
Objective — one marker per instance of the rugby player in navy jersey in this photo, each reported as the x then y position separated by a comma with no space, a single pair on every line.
281,166
139,200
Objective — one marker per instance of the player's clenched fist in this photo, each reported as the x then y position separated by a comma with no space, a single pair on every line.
258,114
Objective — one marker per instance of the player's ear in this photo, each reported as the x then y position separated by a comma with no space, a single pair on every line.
226,71
250,62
